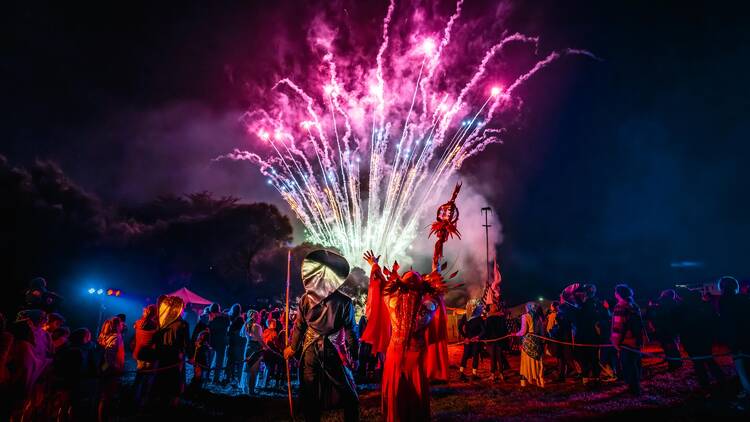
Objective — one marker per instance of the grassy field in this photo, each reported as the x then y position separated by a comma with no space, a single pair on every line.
667,396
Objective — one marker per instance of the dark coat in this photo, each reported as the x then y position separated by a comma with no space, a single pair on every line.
325,381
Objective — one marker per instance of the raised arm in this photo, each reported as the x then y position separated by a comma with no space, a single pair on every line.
378,330
376,273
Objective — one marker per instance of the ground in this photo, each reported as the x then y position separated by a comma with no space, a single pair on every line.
667,396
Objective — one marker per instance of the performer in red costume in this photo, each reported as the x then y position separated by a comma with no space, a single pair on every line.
407,321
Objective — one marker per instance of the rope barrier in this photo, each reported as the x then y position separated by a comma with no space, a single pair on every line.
492,340
607,345
206,367
658,355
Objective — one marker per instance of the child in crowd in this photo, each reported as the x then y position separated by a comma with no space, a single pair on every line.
201,361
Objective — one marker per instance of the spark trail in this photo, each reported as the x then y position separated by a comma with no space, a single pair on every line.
360,158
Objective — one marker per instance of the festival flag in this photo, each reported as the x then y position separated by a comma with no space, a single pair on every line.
497,278
493,292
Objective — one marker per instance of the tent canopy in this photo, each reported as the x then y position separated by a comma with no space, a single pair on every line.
190,297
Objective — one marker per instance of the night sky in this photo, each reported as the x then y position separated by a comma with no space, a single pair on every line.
619,168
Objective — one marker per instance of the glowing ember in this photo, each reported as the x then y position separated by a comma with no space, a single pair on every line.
359,164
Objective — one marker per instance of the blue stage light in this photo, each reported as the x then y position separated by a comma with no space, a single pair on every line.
92,291
100,291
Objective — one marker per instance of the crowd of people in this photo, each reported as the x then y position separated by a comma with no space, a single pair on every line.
48,369
597,341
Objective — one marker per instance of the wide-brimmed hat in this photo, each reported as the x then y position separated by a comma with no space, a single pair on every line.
323,272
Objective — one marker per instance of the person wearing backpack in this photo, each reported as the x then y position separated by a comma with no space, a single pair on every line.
144,354
532,347
627,337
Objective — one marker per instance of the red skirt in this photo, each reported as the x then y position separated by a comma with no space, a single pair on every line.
405,387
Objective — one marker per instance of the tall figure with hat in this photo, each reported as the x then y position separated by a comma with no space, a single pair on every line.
324,312
407,321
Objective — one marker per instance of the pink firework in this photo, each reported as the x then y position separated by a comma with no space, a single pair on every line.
360,157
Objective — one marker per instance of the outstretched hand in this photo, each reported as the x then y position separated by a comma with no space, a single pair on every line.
370,258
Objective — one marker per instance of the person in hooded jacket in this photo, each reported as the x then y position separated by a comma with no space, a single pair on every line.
471,328
325,381
171,343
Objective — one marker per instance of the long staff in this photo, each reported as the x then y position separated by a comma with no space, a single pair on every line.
286,330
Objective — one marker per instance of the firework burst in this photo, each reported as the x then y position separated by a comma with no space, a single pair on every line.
358,160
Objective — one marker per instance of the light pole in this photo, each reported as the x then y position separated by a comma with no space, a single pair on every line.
487,211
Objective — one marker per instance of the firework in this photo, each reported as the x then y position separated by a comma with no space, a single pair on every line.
358,159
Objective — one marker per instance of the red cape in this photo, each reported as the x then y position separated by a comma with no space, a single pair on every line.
378,330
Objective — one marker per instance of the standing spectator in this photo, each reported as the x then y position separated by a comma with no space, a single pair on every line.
733,318
171,342
6,343
43,353
23,368
665,326
586,323
553,328
54,321
607,355
60,338
235,347
144,353
272,356
200,326
627,337
123,319
563,332
264,318
552,315
43,348
38,297
110,340
218,325
78,365
695,326
253,333
532,347
201,362
496,327
471,328
367,360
